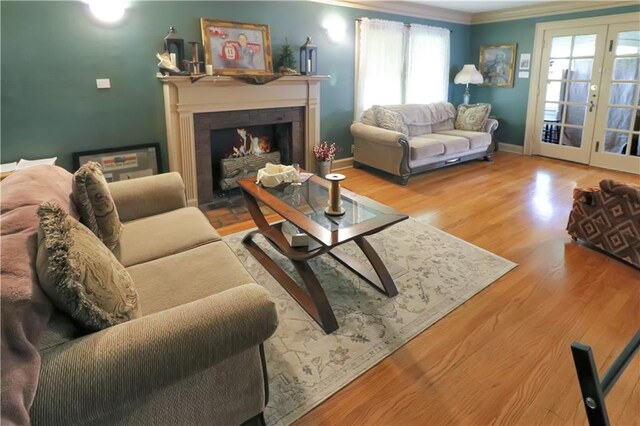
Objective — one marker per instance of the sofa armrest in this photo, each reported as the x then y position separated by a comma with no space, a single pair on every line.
88,377
377,134
148,196
491,125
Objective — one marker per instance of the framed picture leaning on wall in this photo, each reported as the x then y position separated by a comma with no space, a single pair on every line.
235,48
127,162
497,64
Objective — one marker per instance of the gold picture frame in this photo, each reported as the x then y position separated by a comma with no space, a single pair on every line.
236,48
497,64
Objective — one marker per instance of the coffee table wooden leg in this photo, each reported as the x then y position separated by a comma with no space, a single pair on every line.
382,280
315,302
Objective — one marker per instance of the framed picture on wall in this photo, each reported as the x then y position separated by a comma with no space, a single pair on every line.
127,162
497,64
235,48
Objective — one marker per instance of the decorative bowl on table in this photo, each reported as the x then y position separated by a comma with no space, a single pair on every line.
273,175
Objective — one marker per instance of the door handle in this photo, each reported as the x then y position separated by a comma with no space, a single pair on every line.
591,105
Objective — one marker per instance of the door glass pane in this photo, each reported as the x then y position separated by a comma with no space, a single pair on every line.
622,93
581,69
572,136
577,92
628,43
620,118
584,45
615,142
554,91
558,69
635,148
575,115
552,112
626,68
550,133
561,47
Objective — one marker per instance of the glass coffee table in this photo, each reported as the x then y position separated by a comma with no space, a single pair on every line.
303,205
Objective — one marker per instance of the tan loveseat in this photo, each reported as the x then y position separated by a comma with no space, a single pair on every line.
195,357
431,141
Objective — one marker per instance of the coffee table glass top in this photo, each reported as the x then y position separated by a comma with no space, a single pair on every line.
310,198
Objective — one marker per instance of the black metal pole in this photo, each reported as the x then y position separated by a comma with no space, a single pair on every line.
621,362
592,395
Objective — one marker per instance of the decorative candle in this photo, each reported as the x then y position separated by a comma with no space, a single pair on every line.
308,65
173,58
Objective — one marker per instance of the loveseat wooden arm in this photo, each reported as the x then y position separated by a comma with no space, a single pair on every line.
86,378
381,148
148,196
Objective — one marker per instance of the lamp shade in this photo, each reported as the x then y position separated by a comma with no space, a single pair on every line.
468,74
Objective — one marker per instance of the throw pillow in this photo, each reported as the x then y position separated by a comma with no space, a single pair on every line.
80,274
390,120
95,205
472,117
369,118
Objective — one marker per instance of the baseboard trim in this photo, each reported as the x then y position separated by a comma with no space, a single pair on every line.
507,147
343,163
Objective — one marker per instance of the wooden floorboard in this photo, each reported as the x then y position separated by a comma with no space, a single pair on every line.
503,357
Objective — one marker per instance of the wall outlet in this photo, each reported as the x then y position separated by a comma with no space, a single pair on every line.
103,83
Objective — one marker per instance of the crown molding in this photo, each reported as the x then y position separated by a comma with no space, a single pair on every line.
405,8
545,9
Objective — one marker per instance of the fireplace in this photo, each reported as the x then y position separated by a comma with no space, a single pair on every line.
195,109
233,144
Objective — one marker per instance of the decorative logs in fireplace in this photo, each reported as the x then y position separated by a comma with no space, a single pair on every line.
232,169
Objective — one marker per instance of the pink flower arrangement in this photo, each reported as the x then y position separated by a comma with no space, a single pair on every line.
325,152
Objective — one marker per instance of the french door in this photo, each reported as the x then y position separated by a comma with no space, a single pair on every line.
618,119
588,108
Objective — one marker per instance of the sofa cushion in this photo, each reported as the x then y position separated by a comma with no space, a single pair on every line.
80,274
443,125
476,139
369,117
416,130
164,234
425,146
452,144
187,276
95,205
389,120
472,117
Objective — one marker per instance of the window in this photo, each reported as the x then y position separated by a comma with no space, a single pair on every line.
398,63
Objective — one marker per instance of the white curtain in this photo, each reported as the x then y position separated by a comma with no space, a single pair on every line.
427,65
399,64
379,72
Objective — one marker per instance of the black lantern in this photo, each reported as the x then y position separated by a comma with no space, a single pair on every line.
174,45
308,58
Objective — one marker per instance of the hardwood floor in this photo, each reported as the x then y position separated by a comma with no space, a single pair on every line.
504,356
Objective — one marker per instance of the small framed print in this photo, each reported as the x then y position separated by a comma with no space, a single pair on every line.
235,48
127,162
525,61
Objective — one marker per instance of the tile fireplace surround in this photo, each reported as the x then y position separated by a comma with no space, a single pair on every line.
183,99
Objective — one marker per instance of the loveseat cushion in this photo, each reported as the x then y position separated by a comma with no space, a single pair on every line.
164,234
187,276
476,139
425,146
80,274
95,204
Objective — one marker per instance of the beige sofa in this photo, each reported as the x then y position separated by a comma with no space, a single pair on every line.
427,145
196,355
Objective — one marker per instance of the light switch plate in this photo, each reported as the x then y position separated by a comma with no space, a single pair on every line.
103,83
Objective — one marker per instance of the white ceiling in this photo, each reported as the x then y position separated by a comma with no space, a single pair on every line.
477,6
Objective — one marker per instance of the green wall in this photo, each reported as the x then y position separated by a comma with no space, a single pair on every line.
510,104
52,53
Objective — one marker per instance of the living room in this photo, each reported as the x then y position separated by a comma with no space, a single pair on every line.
457,291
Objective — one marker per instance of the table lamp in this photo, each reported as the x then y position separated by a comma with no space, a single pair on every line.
468,74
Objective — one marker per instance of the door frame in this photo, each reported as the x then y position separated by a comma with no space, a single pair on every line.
536,66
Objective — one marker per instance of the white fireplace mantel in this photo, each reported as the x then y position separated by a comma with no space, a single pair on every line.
182,99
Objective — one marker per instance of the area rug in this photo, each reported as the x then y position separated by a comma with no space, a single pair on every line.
435,273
